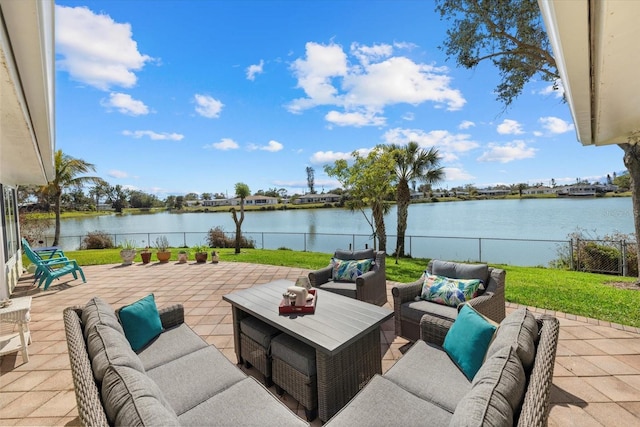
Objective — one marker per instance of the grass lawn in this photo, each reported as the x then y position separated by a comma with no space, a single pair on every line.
583,294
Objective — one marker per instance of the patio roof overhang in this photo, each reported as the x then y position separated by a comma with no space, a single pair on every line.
27,123
596,44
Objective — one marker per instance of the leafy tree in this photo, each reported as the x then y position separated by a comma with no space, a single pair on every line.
140,199
67,170
411,163
98,191
179,202
623,181
118,196
369,183
509,33
311,180
242,191
521,187
205,196
170,201
191,196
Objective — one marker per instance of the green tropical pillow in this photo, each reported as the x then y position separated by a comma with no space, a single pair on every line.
448,291
349,270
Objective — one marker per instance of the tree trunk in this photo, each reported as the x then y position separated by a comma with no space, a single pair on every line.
238,225
381,232
403,200
632,162
56,237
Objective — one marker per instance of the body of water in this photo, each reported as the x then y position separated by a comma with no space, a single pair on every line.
520,232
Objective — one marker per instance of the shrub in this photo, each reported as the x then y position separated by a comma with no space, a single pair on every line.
97,240
217,238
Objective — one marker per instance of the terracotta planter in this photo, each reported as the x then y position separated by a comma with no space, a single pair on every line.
182,258
146,257
163,257
127,256
201,257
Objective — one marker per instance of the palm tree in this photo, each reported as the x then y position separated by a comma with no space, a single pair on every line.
67,170
242,191
412,163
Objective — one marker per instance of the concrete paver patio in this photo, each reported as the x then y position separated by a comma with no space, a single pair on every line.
596,377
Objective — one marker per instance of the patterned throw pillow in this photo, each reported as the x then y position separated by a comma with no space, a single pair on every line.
349,270
447,291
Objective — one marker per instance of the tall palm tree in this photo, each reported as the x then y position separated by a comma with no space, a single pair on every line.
412,163
242,191
67,170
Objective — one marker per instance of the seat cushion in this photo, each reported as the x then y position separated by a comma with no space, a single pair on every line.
294,353
106,346
519,329
427,372
496,392
98,311
130,398
384,403
414,310
346,289
460,270
195,377
170,345
259,331
245,403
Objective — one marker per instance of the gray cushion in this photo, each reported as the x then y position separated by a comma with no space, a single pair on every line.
98,311
106,346
130,398
414,310
355,255
347,289
245,403
257,330
192,379
384,403
518,329
496,392
457,270
427,371
170,345
294,353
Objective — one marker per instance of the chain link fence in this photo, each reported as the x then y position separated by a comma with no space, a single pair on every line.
604,256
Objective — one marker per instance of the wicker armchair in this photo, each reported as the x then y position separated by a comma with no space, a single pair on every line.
370,287
408,310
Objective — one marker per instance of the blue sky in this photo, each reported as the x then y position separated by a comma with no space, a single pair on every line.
171,97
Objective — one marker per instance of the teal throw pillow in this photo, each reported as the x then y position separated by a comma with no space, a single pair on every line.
468,340
141,322
447,291
349,270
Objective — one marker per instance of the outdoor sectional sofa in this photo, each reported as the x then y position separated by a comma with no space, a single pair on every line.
178,379
425,387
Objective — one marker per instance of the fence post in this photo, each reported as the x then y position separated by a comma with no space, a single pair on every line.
623,251
305,241
262,238
353,241
184,239
410,247
571,266
479,249
577,254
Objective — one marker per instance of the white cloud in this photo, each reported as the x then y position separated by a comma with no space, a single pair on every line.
96,50
125,104
409,116
556,89
510,127
252,70
457,174
555,125
373,80
224,145
114,173
516,150
272,146
155,136
324,157
466,124
443,140
208,106
356,119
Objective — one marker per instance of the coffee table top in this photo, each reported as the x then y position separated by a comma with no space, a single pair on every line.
337,322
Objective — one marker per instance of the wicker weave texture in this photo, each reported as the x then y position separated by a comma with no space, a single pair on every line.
340,377
300,386
255,354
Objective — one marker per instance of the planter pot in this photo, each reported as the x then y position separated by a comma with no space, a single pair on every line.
146,257
163,257
214,257
182,258
201,257
127,256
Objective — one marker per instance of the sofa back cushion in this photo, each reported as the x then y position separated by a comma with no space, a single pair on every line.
351,255
520,330
98,312
131,398
457,270
106,346
496,392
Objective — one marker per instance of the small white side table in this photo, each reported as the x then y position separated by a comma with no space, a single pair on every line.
17,313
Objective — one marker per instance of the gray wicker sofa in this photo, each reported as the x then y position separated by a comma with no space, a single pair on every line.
178,379
425,387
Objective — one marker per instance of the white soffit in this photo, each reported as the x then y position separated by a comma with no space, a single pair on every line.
596,44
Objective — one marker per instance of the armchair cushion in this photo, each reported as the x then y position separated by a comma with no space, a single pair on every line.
361,254
448,291
349,270
459,270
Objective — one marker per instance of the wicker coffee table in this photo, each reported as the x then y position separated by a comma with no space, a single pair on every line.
345,333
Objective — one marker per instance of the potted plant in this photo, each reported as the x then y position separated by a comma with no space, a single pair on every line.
215,257
145,254
162,245
127,251
200,253
183,256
